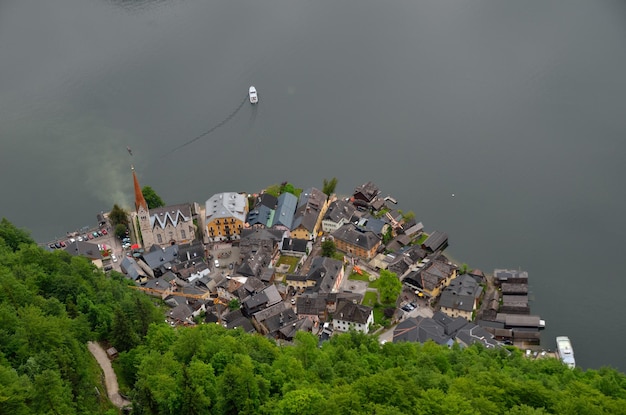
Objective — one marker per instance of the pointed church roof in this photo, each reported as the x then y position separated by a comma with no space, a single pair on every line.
139,199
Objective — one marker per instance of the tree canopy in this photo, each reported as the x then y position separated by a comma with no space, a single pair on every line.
118,216
329,248
329,186
389,287
152,198
12,236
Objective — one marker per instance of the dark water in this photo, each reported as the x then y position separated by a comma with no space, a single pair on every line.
515,107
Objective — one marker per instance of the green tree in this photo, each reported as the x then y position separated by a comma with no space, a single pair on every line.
408,215
328,248
287,188
464,269
234,304
123,336
118,216
329,186
51,395
389,287
241,391
12,236
152,198
273,190
120,230
14,390
388,235
307,401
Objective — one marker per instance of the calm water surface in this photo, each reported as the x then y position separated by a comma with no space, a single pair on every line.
515,107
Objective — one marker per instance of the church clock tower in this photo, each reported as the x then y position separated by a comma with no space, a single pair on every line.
143,215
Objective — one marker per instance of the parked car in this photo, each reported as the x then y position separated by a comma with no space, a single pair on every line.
57,245
100,233
52,246
108,268
113,257
90,236
95,234
62,244
104,231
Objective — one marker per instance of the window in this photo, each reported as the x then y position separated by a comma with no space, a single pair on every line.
159,238
183,234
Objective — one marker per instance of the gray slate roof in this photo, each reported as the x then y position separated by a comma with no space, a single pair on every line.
461,302
464,285
173,215
355,313
353,236
285,210
261,215
419,329
159,257
309,208
339,209
436,241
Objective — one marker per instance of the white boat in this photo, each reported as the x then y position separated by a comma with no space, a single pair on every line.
565,351
254,98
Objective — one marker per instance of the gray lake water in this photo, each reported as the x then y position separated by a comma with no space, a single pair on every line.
515,107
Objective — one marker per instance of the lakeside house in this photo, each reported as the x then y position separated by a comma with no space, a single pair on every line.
225,215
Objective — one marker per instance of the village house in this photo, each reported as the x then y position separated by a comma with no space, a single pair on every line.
436,241
431,277
339,212
266,199
312,206
87,250
312,307
285,211
364,195
407,258
443,330
461,297
369,223
296,247
260,217
357,242
225,215
352,316
328,274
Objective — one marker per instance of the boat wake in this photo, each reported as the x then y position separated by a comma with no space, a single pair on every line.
210,130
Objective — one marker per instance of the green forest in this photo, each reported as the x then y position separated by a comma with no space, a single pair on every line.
52,304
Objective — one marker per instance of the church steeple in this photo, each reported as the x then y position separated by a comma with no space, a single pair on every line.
143,229
140,201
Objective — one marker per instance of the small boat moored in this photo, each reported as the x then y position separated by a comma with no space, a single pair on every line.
565,351
253,95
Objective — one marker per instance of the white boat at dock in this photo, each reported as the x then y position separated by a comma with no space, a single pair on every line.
565,351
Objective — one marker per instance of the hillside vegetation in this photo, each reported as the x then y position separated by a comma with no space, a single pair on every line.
51,304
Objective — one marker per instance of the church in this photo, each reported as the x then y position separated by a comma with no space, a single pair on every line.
168,225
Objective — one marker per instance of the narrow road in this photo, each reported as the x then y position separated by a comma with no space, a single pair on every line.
109,375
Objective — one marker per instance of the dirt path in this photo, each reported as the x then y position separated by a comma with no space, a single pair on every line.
109,375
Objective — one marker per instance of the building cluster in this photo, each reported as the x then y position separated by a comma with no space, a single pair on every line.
506,313
254,262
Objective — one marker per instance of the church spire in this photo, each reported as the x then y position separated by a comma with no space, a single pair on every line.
140,201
